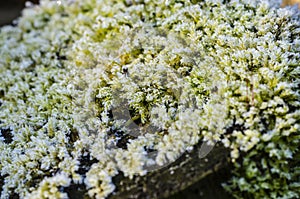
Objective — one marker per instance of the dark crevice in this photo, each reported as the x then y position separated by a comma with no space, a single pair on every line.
85,164
292,108
7,135
37,178
149,150
117,180
115,132
14,196
2,93
124,140
61,57
121,137
1,183
75,191
135,116
235,127
73,136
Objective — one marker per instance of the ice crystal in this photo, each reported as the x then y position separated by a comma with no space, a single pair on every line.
91,88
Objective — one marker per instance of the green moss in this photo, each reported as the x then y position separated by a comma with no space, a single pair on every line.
74,73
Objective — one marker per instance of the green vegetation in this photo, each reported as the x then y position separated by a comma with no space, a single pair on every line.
213,70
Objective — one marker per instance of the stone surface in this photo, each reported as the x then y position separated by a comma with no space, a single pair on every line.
186,171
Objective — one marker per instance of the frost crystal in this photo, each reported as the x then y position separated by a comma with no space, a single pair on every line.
184,71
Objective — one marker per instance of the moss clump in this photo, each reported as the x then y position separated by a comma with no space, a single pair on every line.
91,88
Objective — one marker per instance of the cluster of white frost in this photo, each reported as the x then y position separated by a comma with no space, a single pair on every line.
49,187
213,70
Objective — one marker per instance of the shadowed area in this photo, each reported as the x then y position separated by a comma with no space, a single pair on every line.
10,10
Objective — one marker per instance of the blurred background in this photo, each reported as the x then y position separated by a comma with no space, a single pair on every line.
11,9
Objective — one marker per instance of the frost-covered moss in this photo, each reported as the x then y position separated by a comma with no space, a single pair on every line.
186,71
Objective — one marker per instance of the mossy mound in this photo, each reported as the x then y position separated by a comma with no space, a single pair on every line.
89,89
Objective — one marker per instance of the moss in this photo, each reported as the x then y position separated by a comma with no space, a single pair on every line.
132,85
